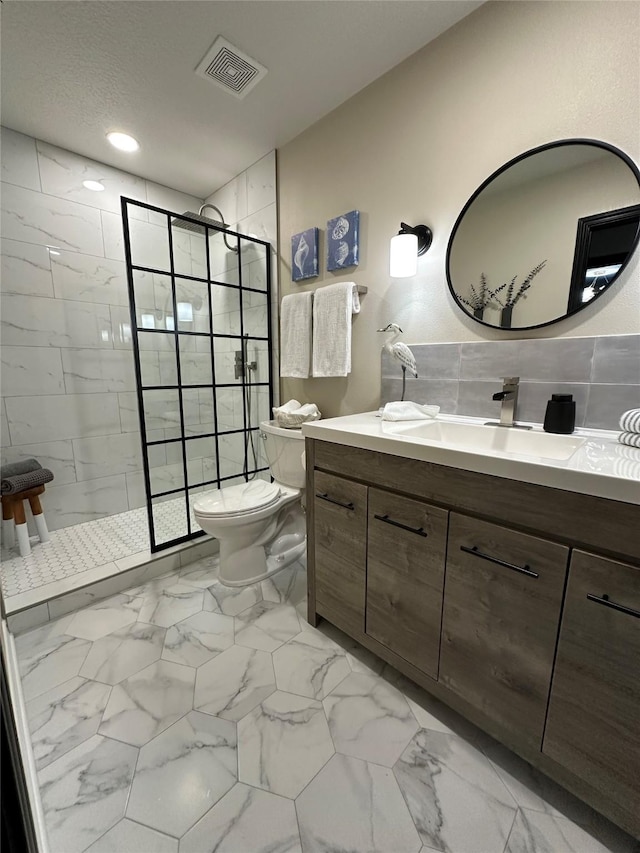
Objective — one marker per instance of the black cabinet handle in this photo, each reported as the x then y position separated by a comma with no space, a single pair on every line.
325,497
612,604
419,530
525,570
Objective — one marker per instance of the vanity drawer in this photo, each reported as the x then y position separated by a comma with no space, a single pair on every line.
502,600
340,548
407,542
593,724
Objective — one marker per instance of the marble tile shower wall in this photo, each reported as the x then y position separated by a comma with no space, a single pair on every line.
68,383
602,373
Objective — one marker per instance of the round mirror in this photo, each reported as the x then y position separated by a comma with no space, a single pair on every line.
545,235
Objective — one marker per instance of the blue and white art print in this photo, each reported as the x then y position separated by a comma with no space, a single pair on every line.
342,241
304,254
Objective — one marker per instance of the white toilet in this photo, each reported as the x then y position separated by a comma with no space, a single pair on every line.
260,525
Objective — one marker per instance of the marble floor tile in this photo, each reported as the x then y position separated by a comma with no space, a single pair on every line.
129,837
369,719
355,806
283,743
234,600
246,819
359,658
199,638
183,772
84,793
123,653
202,573
531,789
310,665
171,605
32,641
288,585
455,797
233,683
105,617
535,832
267,626
142,706
64,717
53,662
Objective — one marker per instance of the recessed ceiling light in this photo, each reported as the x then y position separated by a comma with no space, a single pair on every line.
96,186
123,141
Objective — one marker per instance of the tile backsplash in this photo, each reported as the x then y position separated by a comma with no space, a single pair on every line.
602,373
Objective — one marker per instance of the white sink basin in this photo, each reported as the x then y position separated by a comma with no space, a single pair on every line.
482,438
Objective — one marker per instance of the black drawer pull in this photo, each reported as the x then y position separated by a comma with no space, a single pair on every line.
607,603
525,570
419,530
325,497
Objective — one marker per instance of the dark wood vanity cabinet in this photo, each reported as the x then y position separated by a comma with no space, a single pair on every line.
500,610
405,573
593,725
340,545
502,601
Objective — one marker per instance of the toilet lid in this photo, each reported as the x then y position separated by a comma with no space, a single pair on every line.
236,500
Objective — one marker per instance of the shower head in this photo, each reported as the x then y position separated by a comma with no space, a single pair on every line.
197,228
194,227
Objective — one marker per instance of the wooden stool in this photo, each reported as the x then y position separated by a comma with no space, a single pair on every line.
14,523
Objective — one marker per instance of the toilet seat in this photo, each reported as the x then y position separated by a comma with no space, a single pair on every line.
235,501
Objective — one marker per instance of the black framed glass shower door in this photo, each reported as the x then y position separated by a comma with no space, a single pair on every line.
200,305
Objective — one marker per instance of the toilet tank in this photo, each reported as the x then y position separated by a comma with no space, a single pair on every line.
284,449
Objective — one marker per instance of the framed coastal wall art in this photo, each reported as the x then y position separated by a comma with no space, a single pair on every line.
304,254
342,240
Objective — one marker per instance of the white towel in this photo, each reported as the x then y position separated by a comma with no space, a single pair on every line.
333,306
408,411
292,415
630,421
632,439
295,335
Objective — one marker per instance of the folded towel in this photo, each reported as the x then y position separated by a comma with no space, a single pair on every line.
295,335
22,467
630,421
292,415
22,482
332,309
630,438
408,411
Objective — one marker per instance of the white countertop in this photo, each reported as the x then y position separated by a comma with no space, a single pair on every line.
601,466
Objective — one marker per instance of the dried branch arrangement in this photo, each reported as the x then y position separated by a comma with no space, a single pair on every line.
514,293
480,297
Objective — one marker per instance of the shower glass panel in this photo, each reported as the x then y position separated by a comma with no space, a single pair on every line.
200,300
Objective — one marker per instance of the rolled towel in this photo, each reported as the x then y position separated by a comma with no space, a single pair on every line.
292,414
11,469
22,482
408,411
630,421
630,438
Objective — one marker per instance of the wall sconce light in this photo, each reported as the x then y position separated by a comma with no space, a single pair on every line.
405,247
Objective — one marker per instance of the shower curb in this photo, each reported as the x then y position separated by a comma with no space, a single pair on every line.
48,609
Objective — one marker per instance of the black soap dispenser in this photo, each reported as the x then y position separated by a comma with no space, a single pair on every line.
560,416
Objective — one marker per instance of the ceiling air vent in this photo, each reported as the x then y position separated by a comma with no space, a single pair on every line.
230,68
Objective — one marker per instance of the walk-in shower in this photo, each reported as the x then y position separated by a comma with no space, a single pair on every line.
200,301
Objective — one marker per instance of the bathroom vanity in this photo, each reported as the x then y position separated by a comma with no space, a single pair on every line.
505,583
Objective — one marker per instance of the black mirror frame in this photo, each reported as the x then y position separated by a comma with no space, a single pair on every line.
596,143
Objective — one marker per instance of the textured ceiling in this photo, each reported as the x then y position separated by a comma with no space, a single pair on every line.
71,71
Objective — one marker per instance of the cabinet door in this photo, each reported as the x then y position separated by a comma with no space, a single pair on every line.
340,533
593,724
405,572
502,599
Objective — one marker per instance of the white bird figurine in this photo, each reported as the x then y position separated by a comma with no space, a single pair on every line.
400,352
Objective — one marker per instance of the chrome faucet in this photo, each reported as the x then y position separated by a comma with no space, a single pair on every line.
509,398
